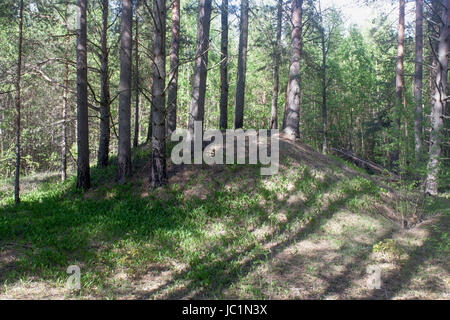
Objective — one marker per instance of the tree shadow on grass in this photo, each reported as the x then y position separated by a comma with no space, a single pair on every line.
226,271
434,246
57,229
53,229
354,270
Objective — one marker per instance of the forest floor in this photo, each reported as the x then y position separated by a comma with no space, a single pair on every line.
225,232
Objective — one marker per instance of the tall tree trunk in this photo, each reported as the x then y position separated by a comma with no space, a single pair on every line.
105,97
173,74
64,107
18,107
440,97
2,119
418,76
324,85
399,75
158,174
350,131
197,107
276,68
293,108
149,6
150,119
285,106
223,122
242,67
433,35
124,154
136,82
83,170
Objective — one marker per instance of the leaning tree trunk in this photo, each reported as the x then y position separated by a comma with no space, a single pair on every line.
292,129
440,97
197,107
83,170
158,174
136,82
173,74
105,97
418,76
223,122
18,107
124,154
276,68
242,67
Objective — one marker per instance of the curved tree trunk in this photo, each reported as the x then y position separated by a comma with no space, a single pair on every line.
105,98
124,154
242,67
292,129
158,174
223,122
83,169
276,69
440,97
173,75
197,107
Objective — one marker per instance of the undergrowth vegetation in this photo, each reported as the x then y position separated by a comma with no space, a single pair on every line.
208,239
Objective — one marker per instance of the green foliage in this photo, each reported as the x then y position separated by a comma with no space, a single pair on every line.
387,247
359,71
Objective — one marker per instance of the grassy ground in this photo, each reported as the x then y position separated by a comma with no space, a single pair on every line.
309,232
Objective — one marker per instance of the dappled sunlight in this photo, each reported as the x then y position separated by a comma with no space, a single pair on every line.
213,232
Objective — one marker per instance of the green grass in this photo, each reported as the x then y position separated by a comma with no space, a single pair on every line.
440,204
347,163
57,226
